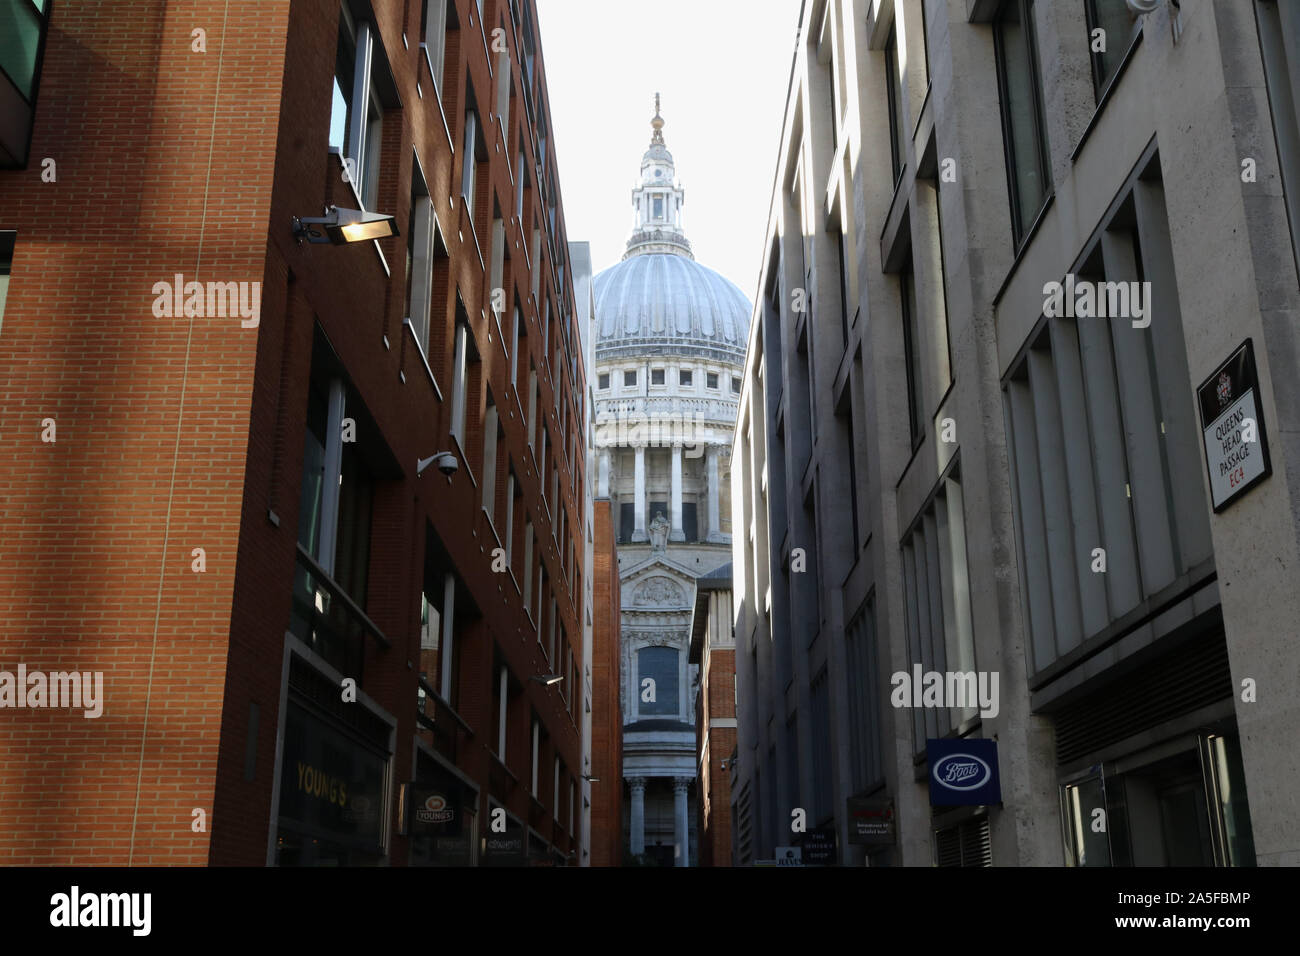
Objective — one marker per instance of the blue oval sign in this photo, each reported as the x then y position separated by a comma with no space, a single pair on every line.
961,772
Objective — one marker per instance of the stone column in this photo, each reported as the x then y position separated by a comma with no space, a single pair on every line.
715,525
637,826
638,526
677,534
603,481
682,830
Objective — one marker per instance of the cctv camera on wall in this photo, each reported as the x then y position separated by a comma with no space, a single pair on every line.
445,460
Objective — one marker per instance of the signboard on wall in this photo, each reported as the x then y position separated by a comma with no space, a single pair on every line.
329,782
871,821
963,772
1236,446
818,846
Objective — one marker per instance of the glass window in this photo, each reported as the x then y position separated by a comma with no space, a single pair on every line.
341,107
6,260
897,121
459,384
710,379
603,380
468,160
659,664
656,376
1022,114
659,207
735,385
684,377
910,351
374,141
1116,22
629,378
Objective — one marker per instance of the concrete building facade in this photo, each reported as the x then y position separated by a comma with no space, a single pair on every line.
1027,263
319,643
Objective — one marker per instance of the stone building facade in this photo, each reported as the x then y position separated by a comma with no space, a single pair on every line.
670,343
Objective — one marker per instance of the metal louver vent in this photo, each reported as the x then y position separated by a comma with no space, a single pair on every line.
966,844
1193,675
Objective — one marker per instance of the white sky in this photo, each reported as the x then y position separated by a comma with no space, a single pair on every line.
722,68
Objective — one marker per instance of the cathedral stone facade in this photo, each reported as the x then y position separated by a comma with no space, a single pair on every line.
670,350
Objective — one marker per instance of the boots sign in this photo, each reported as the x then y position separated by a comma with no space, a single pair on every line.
1236,447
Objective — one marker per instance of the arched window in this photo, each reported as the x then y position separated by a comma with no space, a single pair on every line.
659,664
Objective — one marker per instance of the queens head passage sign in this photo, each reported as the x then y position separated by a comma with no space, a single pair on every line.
1236,447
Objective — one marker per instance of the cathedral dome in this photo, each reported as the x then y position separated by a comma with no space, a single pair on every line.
669,301
659,300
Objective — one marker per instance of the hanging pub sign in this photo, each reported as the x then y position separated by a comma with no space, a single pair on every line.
1236,447
963,772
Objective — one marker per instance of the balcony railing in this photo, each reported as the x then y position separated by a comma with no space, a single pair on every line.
328,621
439,720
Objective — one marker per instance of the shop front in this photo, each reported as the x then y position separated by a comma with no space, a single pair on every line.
442,819
1150,764
503,838
333,782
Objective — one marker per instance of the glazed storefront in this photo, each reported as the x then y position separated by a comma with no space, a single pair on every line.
333,776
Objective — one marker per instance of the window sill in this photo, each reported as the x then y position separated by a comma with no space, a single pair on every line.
424,359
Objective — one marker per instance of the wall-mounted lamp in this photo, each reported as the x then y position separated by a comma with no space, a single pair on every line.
547,679
345,225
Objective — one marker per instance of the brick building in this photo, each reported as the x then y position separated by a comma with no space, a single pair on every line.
713,650
307,654
607,712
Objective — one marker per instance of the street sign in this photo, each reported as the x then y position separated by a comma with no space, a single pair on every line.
1236,446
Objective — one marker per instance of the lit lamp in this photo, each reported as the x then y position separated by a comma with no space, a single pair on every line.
343,226
548,679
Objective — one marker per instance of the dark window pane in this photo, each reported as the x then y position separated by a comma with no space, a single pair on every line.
690,523
660,665
20,39
1115,18
1021,113
897,122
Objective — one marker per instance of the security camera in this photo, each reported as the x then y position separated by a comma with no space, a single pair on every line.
445,460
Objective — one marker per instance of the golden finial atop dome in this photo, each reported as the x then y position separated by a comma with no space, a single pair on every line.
658,125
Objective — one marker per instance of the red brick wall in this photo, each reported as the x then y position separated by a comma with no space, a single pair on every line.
717,697
179,433
606,707
164,165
